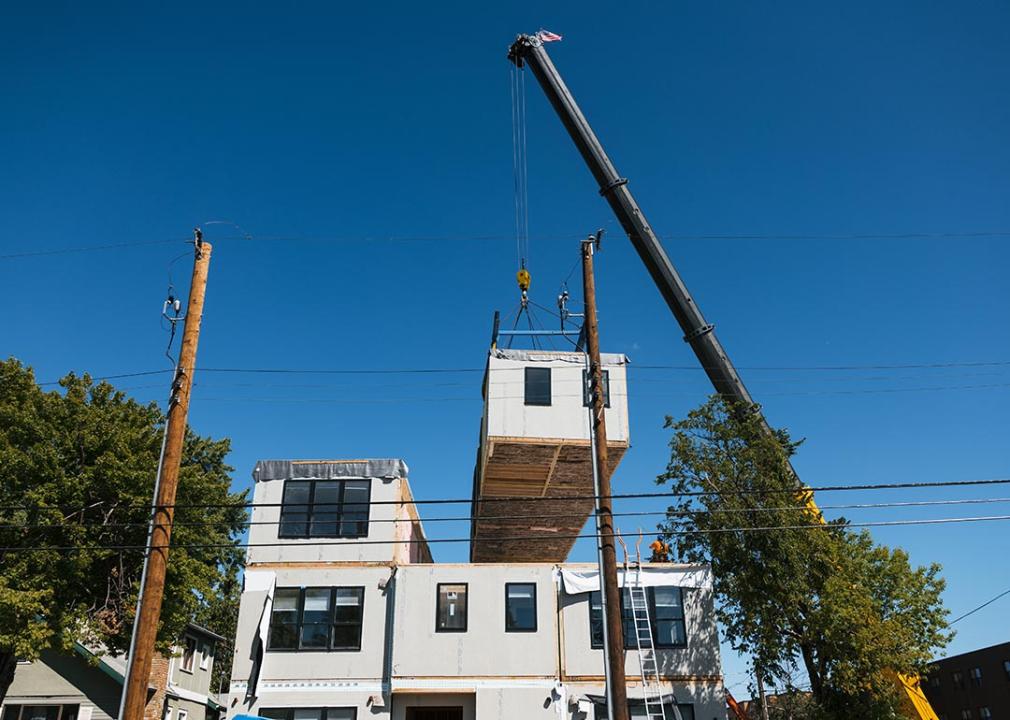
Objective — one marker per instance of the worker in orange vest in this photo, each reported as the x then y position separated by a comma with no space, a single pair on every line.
660,551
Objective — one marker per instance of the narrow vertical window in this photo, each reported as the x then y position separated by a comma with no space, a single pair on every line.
668,626
188,652
976,676
284,619
349,603
316,620
450,613
520,607
538,386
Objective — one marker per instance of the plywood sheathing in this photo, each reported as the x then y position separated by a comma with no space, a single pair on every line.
526,468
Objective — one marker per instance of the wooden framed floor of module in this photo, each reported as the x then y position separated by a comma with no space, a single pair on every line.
514,473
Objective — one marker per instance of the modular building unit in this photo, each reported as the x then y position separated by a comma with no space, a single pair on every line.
535,443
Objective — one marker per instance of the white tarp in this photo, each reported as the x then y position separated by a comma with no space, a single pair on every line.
589,580
260,581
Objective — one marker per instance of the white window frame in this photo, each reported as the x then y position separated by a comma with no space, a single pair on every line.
182,714
204,655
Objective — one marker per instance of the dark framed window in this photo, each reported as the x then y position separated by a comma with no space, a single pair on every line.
1006,668
325,508
966,714
984,713
976,676
934,681
318,713
520,607
585,388
637,710
188,653
958,680
537,386
317,618
666,618
450,607
40,712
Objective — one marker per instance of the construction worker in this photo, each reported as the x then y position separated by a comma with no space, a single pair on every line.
660,551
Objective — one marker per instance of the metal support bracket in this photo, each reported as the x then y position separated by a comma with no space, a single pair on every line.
698,332
606,189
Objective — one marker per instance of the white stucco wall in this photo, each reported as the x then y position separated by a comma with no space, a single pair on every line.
509,416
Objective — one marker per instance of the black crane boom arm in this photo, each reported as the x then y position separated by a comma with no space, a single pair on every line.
529,50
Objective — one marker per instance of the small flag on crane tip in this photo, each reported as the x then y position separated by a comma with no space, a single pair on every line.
547,36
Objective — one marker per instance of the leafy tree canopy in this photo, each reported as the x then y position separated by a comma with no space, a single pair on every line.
77,470
808,593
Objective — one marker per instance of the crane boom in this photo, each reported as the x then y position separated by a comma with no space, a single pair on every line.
699,334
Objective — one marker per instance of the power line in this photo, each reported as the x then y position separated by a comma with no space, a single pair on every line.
631,367
614,496
975,610
475,237
496,518
553,536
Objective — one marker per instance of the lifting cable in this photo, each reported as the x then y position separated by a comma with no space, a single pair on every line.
521,194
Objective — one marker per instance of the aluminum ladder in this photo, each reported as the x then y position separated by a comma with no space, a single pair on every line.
652,687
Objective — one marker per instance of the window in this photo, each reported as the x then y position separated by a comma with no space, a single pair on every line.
168,713
188,651
976,676
325,508
1006,668
316,619
984,713
450,613
934,681
520,607
538,386
205,654
666,613
637,710
182,714
966,714
40,712
958,680
585,388
329,713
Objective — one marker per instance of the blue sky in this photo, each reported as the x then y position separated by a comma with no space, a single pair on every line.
367,152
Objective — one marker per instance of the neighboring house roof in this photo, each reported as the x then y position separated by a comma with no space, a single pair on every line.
199,629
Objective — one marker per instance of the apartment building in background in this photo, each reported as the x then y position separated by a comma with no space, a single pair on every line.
972,686
344,614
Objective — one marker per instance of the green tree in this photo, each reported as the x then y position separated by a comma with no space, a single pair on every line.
77,469
807,593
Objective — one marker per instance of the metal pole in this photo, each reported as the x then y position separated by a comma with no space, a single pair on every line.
610,591
153,588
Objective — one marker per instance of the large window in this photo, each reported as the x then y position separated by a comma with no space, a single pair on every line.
585,388
328,713
40,712
636,709
520,607
324,508
666,615
538,386
318,618
450,611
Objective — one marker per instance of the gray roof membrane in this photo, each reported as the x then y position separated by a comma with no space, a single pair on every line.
550,356
384,468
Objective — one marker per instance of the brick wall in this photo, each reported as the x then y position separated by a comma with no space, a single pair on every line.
154,710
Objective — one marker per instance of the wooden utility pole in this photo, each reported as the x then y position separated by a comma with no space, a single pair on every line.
618,691
153,587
